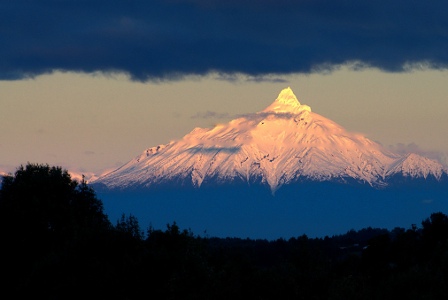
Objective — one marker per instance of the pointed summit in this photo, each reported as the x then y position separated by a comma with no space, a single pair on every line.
287,102
287,96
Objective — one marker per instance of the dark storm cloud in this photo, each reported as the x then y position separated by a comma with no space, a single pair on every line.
152,40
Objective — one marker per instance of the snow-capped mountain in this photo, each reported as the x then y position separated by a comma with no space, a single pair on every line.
283,144
280,172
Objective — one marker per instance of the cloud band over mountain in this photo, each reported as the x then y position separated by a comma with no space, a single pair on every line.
153,40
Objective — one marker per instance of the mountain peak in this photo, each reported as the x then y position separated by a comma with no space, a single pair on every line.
287,102
287,96
283,144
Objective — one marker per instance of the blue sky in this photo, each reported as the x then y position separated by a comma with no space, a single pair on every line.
90,84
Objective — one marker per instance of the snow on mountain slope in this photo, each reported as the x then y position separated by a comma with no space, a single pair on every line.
284,143
413,165
78,176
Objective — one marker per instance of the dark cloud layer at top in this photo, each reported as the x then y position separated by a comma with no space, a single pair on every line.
157,39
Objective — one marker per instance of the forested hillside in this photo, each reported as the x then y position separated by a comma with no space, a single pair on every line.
57,243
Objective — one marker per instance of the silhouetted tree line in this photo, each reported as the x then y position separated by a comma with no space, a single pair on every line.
57,243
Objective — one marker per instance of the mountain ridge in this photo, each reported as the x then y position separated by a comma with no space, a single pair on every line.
280,145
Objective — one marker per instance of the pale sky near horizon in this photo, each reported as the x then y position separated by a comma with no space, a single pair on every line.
90,123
